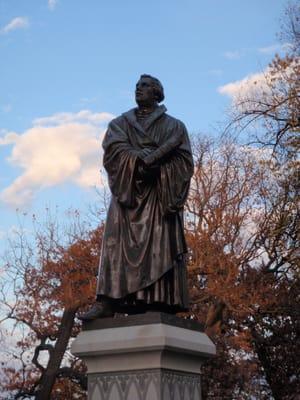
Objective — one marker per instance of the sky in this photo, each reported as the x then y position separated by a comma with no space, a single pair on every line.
69,66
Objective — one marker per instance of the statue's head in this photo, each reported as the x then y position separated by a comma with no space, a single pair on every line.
148,91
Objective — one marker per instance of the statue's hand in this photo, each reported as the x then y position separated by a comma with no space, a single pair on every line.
152,159
141,153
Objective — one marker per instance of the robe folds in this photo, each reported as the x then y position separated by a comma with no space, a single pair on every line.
149,169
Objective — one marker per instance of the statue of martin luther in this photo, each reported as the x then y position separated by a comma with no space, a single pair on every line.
148,159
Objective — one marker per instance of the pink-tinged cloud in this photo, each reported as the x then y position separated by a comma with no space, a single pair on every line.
16,23
61,148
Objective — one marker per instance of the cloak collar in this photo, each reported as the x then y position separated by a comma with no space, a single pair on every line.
131,118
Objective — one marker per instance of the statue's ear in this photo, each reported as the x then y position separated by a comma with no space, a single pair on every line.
157,96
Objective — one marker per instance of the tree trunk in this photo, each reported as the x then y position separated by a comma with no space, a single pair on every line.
50,373
266,364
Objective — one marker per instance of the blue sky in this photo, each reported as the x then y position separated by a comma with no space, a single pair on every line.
69,66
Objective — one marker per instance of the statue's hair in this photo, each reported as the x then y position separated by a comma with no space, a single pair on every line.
157,86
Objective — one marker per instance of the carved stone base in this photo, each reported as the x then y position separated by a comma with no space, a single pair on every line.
145,385
152,356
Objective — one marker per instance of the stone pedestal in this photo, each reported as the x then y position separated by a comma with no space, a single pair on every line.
152,356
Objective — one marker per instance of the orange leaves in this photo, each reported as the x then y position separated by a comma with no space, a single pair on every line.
69,279
17,379
220,219
51,280
66,389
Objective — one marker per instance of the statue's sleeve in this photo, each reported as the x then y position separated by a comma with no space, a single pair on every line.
120,161
176,171
166,148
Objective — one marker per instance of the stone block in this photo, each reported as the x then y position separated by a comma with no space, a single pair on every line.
149,356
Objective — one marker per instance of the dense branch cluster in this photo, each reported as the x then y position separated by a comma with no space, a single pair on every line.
47,282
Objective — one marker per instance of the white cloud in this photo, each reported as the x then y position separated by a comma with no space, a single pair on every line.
80,117
274,48
52,4
232,55
16,23
256,85
8,138
245,86
61,148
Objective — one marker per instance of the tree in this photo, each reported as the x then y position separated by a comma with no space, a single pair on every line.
269,110
290,29
243,272
51,279
273,110
222,214
252,302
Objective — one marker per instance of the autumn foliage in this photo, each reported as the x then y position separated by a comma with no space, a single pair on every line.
50,281
244,273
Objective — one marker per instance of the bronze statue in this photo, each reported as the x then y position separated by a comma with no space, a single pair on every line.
148,159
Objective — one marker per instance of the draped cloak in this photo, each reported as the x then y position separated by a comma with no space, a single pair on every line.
149,169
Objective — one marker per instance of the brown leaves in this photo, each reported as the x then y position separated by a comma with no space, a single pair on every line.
51,278
242,262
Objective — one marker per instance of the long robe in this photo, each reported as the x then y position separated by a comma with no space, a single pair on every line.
149,170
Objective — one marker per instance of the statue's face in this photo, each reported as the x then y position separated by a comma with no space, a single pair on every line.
144,92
